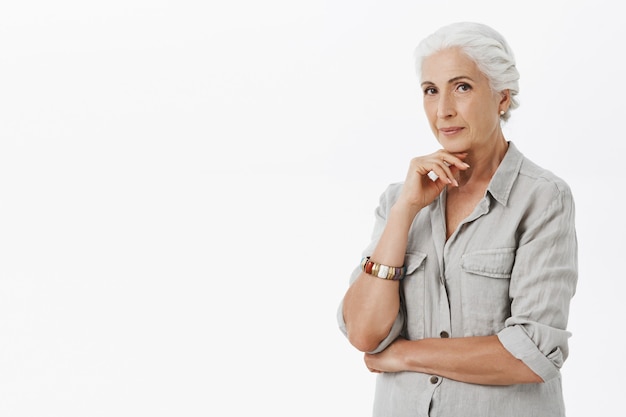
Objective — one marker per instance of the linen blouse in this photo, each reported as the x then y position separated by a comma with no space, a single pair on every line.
510,269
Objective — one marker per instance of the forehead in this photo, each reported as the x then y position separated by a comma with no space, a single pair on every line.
447,64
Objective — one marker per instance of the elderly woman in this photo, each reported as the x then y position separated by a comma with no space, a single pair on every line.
462,298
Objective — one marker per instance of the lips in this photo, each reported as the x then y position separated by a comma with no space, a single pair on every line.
448,131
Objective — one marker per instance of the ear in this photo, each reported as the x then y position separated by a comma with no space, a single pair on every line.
505,100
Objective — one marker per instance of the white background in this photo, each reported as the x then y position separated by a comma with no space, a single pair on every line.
186,187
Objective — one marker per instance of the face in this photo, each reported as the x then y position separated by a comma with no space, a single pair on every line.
462,110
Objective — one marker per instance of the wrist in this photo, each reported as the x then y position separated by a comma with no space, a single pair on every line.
405,211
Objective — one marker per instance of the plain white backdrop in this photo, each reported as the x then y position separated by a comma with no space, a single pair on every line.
186,186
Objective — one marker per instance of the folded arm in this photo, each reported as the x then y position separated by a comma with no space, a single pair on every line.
477,360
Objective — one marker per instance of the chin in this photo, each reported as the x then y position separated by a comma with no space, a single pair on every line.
454,146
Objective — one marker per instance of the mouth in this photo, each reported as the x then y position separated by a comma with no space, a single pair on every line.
450,131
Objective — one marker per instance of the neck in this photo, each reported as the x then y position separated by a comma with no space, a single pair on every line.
483,165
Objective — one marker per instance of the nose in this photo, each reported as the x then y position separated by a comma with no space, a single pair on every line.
445,106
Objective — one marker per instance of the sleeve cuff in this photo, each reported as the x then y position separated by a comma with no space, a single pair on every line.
516,341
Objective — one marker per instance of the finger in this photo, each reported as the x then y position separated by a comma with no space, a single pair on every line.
449,175
433,177
451,163
456,160
437,173
443,173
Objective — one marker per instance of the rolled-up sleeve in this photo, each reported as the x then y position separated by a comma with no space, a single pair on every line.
543,282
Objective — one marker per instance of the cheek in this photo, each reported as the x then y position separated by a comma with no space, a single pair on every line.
481,117
430,110
490,117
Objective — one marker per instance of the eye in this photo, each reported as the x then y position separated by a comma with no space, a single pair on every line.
429,91
464,87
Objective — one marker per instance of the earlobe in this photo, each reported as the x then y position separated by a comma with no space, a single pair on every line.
504,101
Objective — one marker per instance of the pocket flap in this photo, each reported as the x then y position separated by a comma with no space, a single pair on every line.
494,263
413,260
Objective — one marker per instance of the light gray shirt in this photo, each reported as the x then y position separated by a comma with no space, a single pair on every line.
509,269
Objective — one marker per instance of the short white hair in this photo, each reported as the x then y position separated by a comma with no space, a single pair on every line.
485,46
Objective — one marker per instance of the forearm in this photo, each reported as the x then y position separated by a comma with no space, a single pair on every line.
477,360
371,304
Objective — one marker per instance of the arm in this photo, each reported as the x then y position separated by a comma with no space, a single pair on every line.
543,283
533,345
476,360
371,305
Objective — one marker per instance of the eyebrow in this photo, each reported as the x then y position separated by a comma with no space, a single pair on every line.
450,81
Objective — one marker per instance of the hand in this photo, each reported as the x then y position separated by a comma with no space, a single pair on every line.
389,360
419,189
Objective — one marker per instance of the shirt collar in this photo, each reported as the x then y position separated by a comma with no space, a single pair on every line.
506,174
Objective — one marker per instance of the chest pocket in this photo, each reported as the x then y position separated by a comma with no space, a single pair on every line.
485,290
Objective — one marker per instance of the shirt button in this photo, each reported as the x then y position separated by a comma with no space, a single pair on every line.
434,379
444,334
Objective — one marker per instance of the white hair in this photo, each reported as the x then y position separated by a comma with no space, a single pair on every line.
485,46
